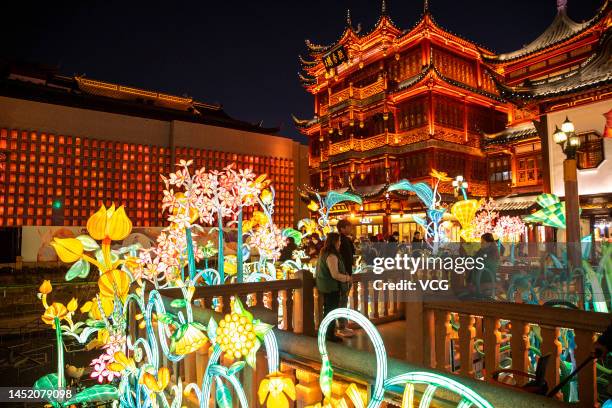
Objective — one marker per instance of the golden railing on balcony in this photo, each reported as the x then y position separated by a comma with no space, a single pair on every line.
355,93
339,96
401,139
373,142
367,91
452,135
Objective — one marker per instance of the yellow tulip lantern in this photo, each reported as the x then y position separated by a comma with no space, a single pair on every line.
107,225
68,249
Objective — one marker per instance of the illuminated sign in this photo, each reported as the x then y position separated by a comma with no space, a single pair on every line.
335,57
365,220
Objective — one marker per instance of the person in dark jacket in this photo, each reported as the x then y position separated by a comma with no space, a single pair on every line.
330,276
347,252
287,251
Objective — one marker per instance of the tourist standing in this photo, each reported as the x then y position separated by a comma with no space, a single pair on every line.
330,276
347,253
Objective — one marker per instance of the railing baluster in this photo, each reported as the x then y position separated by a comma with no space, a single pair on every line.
429,338
492,341
467,332
442,342
189,364
551,345
259,299
587,378
385,302
201,362
519,345
274,303
288,310
365,295
226,306
354,296
375,301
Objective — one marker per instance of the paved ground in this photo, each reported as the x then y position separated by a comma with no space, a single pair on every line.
393,335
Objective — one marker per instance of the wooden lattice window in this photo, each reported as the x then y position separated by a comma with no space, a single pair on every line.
591,152
499,169
529,169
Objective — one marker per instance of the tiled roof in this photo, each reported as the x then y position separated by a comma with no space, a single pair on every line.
31,83
511,134
595,71
514,203
562,28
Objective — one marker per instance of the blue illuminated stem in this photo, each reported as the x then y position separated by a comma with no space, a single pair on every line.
239,248
208,376
464,194
271,351
190,257
379,348
220,371
155,301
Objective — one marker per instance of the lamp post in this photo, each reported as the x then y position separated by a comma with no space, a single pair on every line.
569,141
460,184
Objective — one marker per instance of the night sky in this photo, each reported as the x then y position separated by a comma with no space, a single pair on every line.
242,54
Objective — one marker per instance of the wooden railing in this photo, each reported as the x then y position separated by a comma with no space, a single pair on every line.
379,306
290,301
432,341
439,334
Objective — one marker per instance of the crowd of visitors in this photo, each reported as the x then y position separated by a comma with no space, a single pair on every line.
335,264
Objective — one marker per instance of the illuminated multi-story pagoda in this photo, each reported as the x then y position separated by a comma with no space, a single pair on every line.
393,104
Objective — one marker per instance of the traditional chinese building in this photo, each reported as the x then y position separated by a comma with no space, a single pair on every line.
395,103
70,144
578,88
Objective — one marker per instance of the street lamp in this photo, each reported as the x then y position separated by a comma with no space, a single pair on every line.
569,141
567,138
460,184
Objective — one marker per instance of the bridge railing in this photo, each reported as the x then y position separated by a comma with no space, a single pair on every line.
442,335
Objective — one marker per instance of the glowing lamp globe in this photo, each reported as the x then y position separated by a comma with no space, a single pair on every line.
574,141
567,126
559,136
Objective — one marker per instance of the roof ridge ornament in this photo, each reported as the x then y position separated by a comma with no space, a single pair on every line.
426,7
561,6
349,22
384,8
